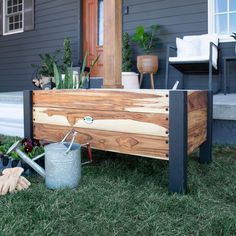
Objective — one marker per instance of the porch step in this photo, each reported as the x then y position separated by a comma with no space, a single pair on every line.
11,114
224,107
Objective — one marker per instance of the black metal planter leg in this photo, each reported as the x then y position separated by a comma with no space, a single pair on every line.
206,147
178,142
28,115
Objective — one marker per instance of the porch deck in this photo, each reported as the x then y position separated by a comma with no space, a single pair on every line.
11,111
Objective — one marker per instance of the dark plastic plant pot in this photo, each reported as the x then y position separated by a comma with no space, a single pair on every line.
14,163
24,165
5,160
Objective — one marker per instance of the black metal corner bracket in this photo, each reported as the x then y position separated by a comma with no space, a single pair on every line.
178,142
28,114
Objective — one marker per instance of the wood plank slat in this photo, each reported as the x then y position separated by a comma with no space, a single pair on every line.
131,122
196,137
197,100
139,145
105,100
197,119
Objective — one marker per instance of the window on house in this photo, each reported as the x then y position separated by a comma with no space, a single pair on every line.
100,22
222,18
16,16
13,20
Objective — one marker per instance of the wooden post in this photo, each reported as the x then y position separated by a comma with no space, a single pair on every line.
112,48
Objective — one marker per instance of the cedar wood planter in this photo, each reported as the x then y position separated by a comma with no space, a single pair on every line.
160,124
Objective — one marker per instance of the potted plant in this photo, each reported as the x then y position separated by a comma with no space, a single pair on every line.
148,41
129,78
68,80
45,71
234,36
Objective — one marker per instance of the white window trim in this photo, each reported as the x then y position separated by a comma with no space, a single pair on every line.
4,21
211,23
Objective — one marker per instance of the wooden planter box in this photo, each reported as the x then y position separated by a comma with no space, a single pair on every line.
160,124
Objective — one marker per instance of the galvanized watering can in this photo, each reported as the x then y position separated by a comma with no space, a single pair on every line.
62,162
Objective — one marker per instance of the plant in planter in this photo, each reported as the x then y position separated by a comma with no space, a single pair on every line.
129,78
68,81
45,71
67,57
148,41
234,36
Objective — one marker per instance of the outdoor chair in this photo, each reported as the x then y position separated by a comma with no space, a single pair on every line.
195,55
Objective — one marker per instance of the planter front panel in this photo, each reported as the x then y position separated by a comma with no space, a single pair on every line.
132,122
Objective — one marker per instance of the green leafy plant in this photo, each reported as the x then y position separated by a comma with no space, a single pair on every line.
84,75
67,57
47,61
233,35
147,40
126,53
66,81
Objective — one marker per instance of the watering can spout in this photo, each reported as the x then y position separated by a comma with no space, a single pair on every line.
24,157
31,163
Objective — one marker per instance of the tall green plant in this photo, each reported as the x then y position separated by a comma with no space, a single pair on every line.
66,81
67,57
84,76
147,40
126,53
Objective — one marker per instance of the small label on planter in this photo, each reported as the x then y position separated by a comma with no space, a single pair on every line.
88,119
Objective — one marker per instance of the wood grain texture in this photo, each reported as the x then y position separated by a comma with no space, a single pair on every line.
197,119
137,123
112,43
90,37
197,100
140,145
105,100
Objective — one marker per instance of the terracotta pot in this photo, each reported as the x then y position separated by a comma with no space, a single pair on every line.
147,64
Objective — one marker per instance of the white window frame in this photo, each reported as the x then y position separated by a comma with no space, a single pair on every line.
211,23
5,33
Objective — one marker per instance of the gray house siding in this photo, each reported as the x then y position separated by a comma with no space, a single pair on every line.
54,20
177,19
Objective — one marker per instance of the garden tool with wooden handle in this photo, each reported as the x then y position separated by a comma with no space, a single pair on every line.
10,179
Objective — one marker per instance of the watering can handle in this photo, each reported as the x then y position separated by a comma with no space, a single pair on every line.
72,140
67,135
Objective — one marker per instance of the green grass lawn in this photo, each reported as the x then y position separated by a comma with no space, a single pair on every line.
122,195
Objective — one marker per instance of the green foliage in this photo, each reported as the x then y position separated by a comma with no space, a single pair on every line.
57,76
147,40
66,81
126,53
233,35
47,61
67,57
84,76
122,195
